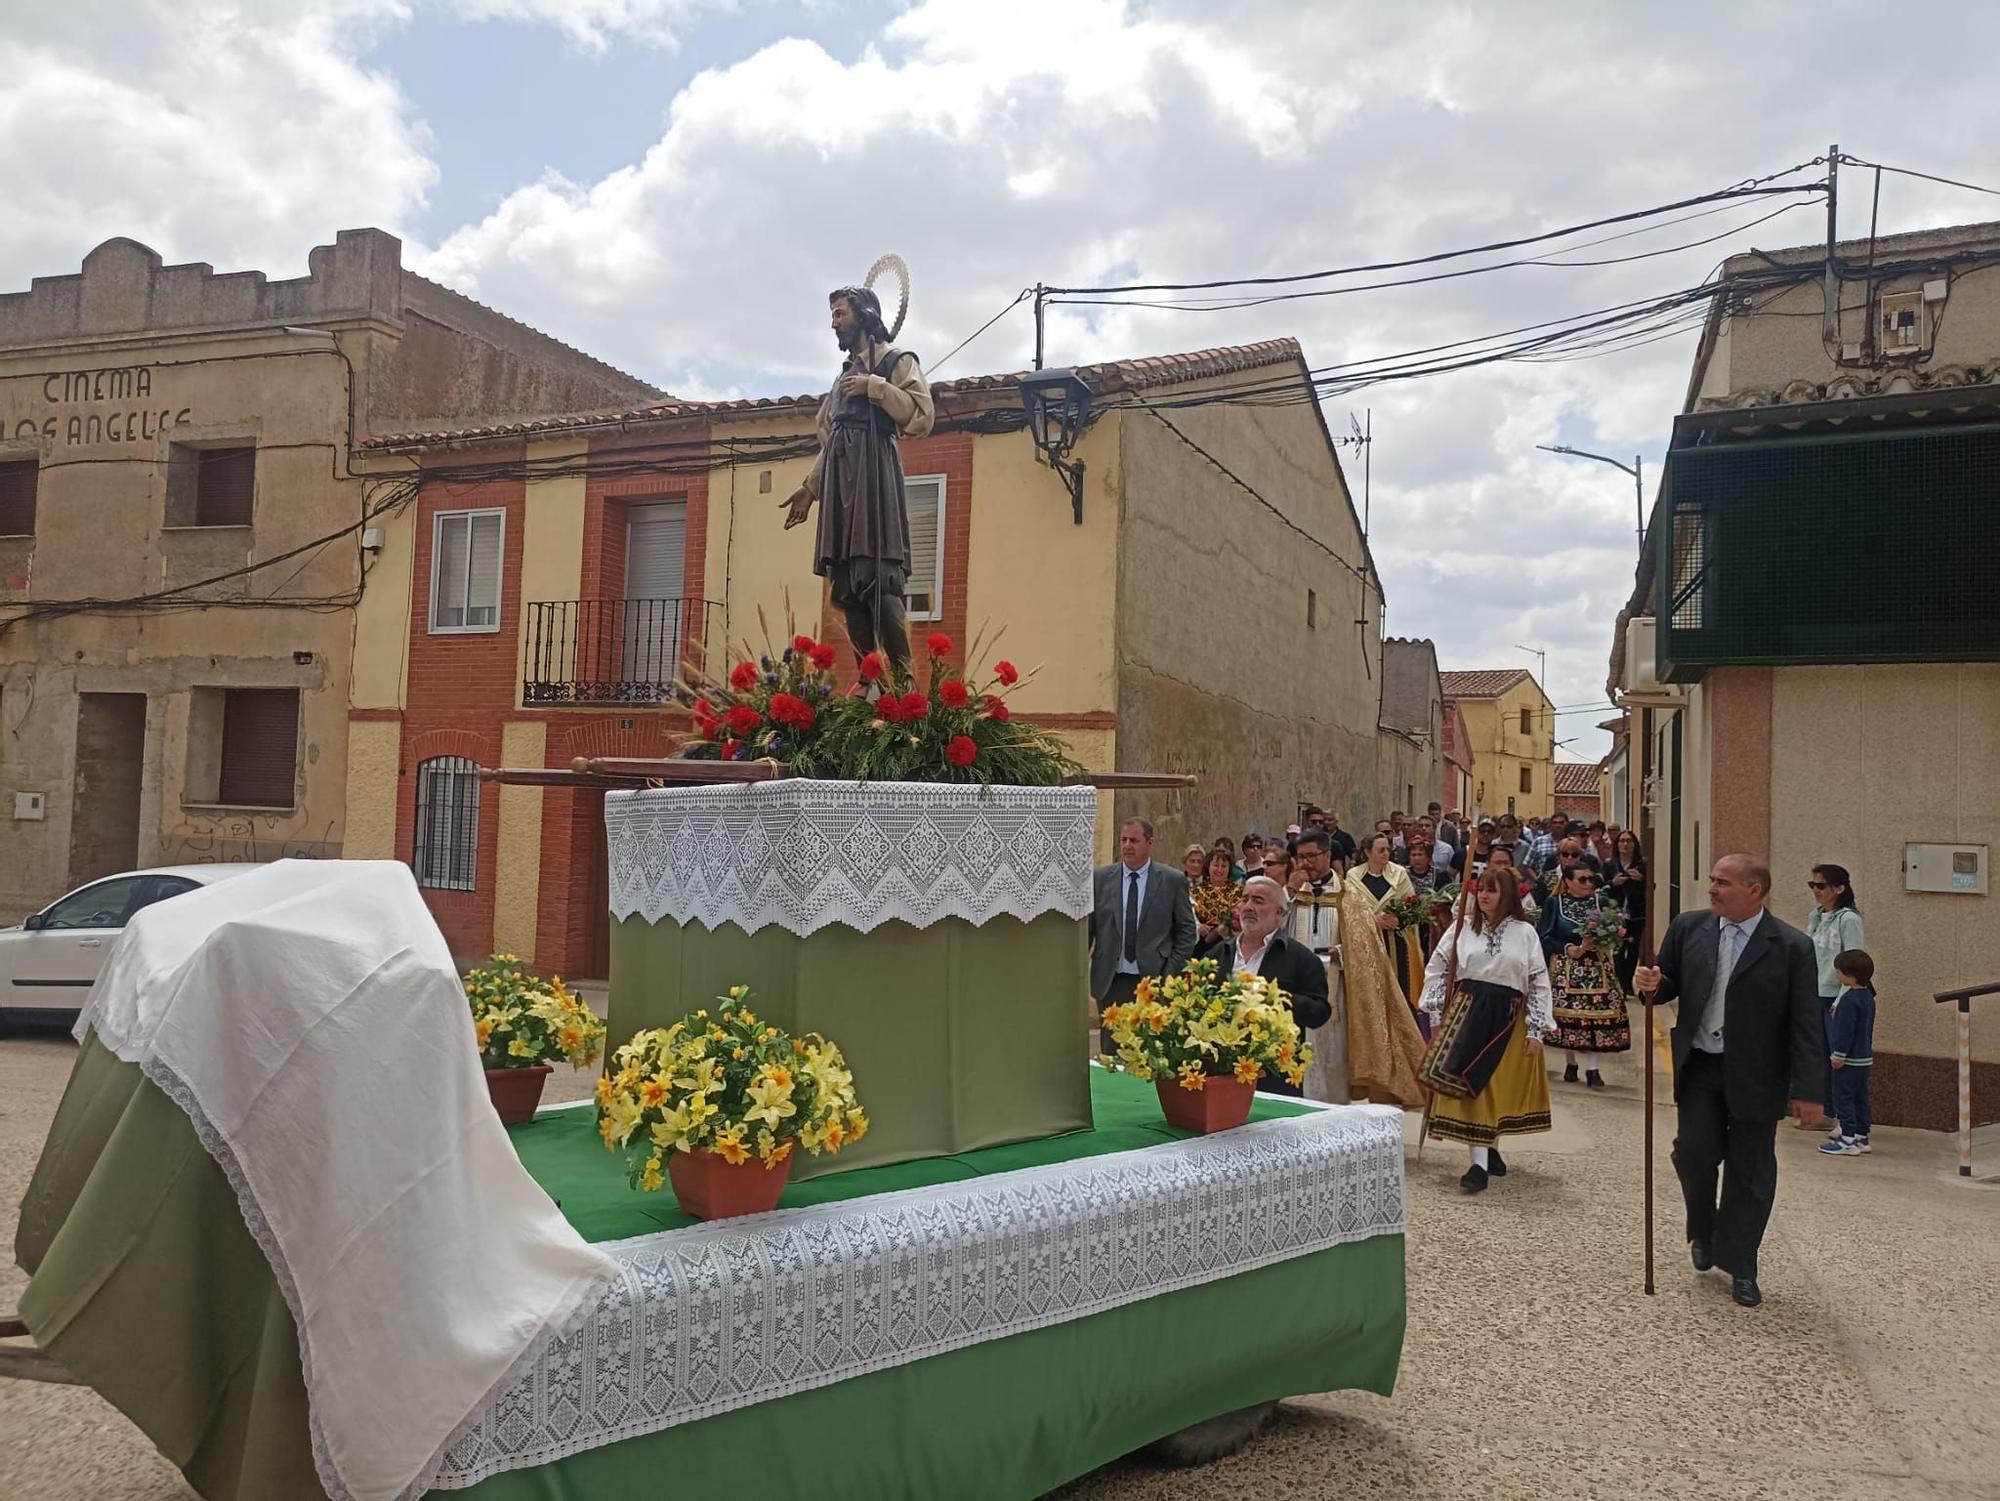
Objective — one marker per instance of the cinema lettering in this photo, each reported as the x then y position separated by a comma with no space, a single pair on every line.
135,415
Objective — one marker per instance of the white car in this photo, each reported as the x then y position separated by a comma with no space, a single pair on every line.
50,961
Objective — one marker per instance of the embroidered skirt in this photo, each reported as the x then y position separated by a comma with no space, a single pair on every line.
1590,1006
1514,1102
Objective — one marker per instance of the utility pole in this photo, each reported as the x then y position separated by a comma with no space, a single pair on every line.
1040,298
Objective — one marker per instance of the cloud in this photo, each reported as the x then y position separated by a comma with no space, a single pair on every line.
593,26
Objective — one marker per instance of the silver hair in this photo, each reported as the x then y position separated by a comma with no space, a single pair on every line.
1284,897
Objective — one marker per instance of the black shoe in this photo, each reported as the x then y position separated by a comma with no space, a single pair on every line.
1495,1168
1474,1181
1700,1255
1593,1079
1569,1074
1744,1291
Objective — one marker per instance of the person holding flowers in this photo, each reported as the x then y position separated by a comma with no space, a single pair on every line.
1384,1043
1581,936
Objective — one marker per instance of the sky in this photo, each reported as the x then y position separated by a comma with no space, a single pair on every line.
672,185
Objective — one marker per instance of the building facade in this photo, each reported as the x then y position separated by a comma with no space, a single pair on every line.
1412,738
183,543
1510,726
614,554
1579,789
1812,649
1455,784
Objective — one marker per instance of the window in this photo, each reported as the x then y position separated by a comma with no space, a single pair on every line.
104,905
1312,609
1527,779
924,592
210,486
1527,721
465,571
446,856
17,497
259,760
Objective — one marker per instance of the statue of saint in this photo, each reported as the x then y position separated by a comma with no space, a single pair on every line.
880,397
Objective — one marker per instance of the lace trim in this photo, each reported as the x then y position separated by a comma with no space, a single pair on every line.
803,855
723,1316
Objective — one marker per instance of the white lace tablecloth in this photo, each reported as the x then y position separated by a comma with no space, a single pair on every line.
721,1316
803,855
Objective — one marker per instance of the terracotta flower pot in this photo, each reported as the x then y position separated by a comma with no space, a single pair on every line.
713,1188
517,1091
1218,1106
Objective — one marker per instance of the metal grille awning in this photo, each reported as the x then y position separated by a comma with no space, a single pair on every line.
1862,547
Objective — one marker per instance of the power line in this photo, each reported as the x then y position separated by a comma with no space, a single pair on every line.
1022,296
1950,182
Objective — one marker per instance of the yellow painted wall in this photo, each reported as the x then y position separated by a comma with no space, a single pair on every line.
373,749
382,618
517,882
755,564
551,541
1500,750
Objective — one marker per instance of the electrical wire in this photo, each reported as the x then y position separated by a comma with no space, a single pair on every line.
1022,296
1950,182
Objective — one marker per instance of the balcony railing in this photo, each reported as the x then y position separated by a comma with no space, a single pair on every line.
615,651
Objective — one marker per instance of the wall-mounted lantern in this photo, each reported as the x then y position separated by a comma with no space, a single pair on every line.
1058,405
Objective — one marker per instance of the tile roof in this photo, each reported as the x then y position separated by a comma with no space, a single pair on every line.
1576,778
1112,375
1484,682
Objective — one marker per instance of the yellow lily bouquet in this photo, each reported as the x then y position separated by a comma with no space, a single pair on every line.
522,1020
1198,1025
729,1084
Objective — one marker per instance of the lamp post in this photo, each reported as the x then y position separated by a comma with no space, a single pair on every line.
1633,469
1057,403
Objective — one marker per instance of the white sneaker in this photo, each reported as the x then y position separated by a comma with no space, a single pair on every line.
1841,1146
1862,1143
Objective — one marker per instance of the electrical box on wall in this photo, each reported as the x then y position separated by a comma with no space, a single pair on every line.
28,805
1960,868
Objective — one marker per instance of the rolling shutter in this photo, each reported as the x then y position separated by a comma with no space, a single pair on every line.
656,552
225,486
924,592
465,571
260,745
17,498
482,584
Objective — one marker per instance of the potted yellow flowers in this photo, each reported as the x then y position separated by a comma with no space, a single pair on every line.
522,1024
717,1103
1204,1041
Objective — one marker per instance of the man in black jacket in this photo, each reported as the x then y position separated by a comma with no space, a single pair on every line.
1262,950
1749,1045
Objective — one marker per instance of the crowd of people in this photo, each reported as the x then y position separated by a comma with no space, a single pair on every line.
1433,958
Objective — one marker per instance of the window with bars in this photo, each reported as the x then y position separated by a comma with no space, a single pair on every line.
923,495
466,549
446,855
211,486
18,479
260,748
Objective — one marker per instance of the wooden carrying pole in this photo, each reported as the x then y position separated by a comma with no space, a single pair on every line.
1646,954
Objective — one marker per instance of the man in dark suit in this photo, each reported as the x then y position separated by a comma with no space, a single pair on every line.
1141,923
1749,1045
1262,950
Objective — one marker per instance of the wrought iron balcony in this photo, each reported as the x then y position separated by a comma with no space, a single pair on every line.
615,651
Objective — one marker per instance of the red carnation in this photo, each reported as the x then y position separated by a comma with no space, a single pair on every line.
953,693
743,676
962,751
1007,672
743,720
730,748
939,644
803,643
873,666
915,706
823,657
789,710
996,708
706,725
890,708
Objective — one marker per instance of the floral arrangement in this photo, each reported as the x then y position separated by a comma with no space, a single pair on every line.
1443,903
730,1084
956,726
521,1020
1603,930
1198,1025
1411,911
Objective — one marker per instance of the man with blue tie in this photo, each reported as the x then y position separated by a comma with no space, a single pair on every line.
1142,920
1749,1046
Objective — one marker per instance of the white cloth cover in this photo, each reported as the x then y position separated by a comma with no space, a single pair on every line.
309,1019
803,855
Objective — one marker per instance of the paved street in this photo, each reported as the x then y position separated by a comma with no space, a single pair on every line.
1534,1366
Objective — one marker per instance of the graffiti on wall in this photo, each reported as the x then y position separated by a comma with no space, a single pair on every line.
244,839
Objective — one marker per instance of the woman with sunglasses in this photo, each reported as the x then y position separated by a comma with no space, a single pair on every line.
1589,1000
1835,926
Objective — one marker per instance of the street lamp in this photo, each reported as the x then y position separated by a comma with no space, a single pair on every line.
1058,405
1638,484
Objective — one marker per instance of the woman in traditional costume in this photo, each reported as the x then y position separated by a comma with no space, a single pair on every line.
1215,895
1589,1001
1485,1057
1379,966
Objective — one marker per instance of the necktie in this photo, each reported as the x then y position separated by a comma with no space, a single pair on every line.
1725,961
1132,915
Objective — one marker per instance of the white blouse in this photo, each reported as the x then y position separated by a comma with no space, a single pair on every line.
1509,955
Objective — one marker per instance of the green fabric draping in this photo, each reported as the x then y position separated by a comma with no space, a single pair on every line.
959,1037
147,1285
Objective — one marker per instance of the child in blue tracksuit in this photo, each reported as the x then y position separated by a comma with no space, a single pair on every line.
1850,1038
